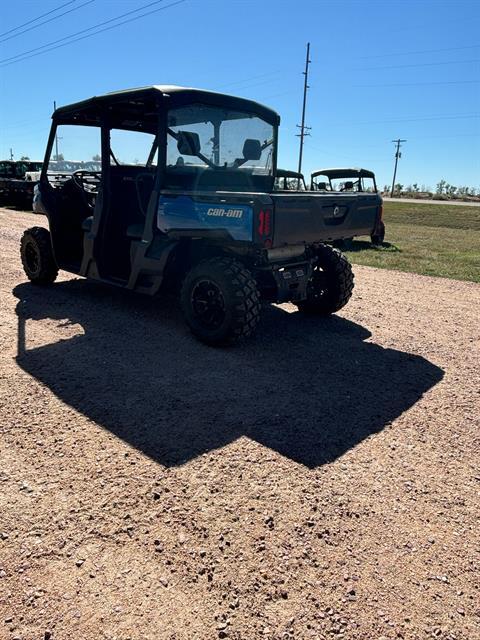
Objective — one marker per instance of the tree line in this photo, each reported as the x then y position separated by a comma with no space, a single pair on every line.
443,188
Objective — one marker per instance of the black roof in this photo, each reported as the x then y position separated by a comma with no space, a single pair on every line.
285,173
344,173
144,103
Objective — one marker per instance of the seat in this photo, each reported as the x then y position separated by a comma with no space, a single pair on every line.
135,231
87,223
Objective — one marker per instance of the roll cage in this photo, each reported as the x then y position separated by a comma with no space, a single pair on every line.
100,217
355,184
146,110
286,180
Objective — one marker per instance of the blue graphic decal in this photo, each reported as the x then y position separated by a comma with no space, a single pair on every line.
184,213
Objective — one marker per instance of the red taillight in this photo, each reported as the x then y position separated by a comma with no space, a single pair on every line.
268,216
265,222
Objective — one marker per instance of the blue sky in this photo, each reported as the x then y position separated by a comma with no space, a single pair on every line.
380,70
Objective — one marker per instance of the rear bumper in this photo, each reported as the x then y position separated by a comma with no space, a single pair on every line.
291,281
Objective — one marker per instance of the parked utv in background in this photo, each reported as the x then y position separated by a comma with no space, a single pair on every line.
289,181
359,183
63,167
16,187
185,202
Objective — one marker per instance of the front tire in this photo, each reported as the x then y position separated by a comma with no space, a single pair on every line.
331,284
37,256
220,301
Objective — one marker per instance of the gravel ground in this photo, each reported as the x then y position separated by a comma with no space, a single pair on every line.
319,481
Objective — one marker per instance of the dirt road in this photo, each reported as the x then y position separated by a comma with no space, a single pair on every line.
320,481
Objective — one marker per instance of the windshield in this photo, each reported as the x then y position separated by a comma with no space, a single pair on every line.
355,184
290,183
208,138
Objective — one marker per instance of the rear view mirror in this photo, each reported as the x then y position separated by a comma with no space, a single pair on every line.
188,143
252,149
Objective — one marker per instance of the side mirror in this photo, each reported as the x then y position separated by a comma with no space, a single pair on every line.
252,149
188,143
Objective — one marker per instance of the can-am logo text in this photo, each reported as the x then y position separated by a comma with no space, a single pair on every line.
225,213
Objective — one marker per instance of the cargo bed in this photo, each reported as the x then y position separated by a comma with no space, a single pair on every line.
306,216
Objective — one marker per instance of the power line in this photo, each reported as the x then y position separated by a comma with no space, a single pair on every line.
255,84
420,64
263,75
276,95
409,53
460,116
333,153
24,56
21,123
5,33
323,150
72,35
35,26
418,84
428,119
453,135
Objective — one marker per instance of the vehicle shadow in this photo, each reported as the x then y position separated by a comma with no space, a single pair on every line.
308,388
24,207
354,246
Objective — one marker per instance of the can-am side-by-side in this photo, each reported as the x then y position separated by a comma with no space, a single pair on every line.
359,184
16,184
184,201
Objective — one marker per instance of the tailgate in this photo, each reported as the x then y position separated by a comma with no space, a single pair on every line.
315,217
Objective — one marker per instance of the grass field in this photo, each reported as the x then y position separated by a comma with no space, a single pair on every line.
431,239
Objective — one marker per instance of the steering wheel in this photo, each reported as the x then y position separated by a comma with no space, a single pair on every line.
79,176
78,179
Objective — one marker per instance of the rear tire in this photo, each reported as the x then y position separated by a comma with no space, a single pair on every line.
378,237
37,256
220,301
331,284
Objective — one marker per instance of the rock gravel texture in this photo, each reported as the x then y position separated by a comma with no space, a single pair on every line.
319,481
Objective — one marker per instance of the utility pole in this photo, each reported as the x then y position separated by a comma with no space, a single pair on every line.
11,154
302,126
397,156
56,134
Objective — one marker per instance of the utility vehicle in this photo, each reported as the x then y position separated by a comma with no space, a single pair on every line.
16,187
359,184
185,202
286,180
63,167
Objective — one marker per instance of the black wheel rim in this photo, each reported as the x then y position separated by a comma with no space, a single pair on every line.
32,257
317,287
208,304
